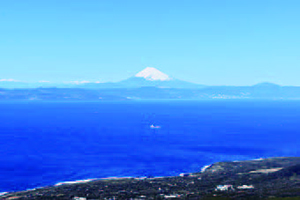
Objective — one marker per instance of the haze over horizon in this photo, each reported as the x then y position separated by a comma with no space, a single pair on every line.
210,43
149,74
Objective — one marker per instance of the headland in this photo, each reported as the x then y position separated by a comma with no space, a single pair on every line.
271,178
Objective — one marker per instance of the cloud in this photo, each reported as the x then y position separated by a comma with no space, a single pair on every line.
9,80
85,82
44,81
82,82
79,82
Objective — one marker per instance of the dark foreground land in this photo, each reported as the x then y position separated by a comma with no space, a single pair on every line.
273,178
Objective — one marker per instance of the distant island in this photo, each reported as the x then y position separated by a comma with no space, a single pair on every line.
149,84
272,178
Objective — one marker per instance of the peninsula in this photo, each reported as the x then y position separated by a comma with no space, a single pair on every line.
271,178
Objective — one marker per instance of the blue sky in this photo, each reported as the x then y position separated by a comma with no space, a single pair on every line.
219,42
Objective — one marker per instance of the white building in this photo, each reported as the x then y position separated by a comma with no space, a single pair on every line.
224,187
245,187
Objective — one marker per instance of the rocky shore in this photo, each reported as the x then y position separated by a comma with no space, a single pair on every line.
272,178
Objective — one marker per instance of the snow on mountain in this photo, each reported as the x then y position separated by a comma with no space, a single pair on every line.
152,74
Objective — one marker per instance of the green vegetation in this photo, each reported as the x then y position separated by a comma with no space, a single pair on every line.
275,178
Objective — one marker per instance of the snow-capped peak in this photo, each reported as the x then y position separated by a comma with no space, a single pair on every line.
152,74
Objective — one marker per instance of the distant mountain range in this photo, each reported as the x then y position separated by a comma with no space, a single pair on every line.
147,84
149,77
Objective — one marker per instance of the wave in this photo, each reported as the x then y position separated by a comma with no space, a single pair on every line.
3,193
74,182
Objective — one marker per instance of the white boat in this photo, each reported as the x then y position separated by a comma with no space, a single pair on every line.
154,127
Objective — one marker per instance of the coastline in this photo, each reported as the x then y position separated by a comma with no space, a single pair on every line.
71,182
237,179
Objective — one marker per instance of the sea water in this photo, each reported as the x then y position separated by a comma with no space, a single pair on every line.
43,143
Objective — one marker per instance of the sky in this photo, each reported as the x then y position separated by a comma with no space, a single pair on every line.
211,42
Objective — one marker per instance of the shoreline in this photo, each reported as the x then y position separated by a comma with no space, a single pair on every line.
62,183
278,177
71,182
88,180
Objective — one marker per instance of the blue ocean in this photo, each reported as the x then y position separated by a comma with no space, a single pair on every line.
43,143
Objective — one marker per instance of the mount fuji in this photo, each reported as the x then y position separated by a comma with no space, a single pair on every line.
149,77
147,84
152,74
